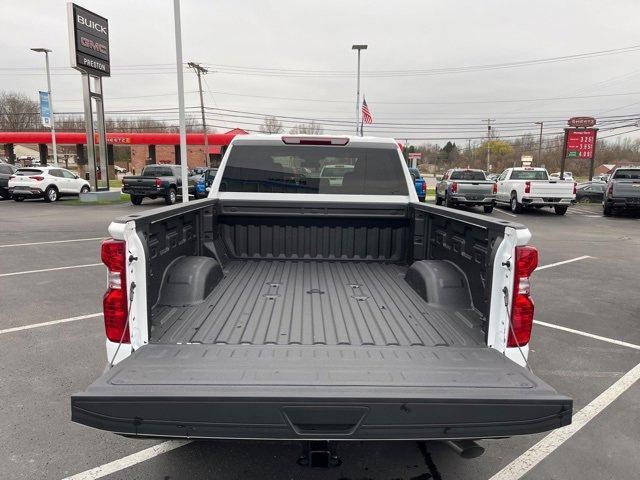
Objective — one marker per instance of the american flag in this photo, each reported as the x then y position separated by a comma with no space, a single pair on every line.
366,114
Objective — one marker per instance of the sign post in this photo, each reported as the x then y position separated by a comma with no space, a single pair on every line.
579,142
414,158
89,51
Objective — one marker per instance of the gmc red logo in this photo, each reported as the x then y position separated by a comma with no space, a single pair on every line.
93,45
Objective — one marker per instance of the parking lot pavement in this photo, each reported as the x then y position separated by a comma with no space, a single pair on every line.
44,366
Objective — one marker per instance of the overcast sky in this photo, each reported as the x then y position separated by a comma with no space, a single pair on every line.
298,38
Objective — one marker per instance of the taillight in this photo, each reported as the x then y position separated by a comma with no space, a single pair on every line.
114,303
38,178
527,187
522,306
495,188
610,190
158,182
575,188
12,177
454,187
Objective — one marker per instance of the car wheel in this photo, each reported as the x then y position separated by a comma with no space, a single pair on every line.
448,202
136,199
170,198
50,194
516,206
421,199
438,200
560,209
85,189
607,211
488,208
18,198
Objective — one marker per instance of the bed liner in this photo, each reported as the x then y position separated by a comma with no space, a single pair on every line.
289,302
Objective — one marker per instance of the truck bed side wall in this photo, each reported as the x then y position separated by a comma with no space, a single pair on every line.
467,240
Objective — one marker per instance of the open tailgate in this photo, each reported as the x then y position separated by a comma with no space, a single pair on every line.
328,392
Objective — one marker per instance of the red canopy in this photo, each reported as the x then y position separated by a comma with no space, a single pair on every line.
74,138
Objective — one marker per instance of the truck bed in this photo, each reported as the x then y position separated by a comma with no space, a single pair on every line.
271,302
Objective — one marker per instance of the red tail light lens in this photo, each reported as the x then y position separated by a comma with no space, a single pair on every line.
575,188
610,190
454,187
114,303
158,182
12,177
38,178
527,187
495,188
522,308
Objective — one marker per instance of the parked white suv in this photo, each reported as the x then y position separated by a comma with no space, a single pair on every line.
50,183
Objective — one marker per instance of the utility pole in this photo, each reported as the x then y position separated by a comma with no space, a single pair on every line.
359,48
200,70
540,144
489,120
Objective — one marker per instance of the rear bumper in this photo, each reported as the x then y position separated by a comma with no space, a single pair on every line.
311,393
144,192
547,201
619,202
30,192
472,200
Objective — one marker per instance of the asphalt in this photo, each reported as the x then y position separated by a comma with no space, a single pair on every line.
43,366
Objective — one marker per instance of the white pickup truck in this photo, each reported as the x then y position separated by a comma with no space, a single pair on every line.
524,187
285,306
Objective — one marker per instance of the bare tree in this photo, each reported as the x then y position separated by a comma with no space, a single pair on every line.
18,112
312,128
271,125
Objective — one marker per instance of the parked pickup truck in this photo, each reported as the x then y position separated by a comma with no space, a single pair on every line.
285,307
622,191
524,187
156,181
466,187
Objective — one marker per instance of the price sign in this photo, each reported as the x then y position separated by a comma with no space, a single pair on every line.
580,143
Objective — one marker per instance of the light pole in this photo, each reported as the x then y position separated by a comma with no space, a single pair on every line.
540,144
181,114
53,123
358,48
489,120
200,70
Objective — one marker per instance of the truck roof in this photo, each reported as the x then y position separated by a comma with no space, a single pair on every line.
337,140
530,168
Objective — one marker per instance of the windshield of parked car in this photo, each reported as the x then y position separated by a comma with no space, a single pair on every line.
28,171
628,173
467,175
529,175
298,168
156,171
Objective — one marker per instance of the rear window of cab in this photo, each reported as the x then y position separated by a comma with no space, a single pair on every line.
28,171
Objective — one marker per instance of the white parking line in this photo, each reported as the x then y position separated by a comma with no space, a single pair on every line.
587,334
49,269
129,461
53,241
52,322
502,211
563,262
545,447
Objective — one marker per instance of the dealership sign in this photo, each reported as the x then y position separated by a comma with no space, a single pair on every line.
88,41
580,143
581,122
